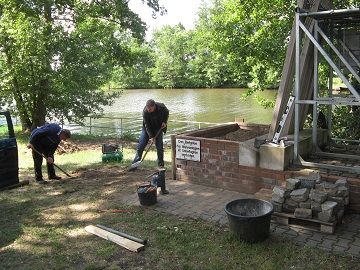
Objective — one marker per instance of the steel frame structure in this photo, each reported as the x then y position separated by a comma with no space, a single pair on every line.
328,44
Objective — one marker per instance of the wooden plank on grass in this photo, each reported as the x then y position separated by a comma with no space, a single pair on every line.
20,184
122,241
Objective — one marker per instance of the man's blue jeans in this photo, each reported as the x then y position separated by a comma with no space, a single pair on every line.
143,141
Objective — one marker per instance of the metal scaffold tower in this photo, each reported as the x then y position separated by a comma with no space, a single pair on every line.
320,34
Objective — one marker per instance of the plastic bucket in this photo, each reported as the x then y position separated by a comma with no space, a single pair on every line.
147,198
249,219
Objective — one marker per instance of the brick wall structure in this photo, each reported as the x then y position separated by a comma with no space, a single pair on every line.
219,165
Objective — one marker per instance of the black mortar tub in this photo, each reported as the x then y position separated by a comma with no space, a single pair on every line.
147,198
249,219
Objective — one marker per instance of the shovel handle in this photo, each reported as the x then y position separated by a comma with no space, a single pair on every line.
157,134
36,151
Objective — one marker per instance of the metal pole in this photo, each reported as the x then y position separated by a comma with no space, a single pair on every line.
133,238
327,58
303,12
90,124
316,85
121,126
331,86
297,87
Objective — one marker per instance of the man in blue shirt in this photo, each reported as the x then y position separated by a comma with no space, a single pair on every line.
45,140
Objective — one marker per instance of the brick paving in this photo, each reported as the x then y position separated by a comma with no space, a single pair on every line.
190,200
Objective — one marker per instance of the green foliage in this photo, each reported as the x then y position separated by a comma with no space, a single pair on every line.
56,54
171,47
137,74
345,123
129,136
234,44
254,35
339,4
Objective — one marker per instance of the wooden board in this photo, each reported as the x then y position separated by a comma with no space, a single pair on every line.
122,241
20,184
303,223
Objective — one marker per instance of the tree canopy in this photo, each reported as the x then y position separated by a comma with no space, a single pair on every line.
233,44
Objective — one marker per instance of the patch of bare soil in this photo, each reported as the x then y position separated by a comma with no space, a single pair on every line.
241,135
106,174
94,144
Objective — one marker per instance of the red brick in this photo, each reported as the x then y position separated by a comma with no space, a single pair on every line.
232,148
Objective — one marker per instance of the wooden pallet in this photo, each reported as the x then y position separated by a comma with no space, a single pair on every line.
303,223
292,221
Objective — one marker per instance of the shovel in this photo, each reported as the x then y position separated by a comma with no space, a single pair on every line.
70,176
137,163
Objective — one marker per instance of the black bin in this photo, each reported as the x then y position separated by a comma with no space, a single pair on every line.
147,197
249,219
9,161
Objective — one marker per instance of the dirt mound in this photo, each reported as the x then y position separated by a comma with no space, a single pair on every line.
241,135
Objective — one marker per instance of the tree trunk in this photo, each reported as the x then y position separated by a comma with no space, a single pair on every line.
40,109
21,107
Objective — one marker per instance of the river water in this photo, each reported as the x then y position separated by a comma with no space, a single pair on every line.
198,105
201,105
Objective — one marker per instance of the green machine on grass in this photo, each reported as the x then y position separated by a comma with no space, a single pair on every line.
111,152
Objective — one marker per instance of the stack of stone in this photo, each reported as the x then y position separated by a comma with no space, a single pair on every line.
311,198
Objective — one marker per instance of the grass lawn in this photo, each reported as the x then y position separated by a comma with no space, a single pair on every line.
43,226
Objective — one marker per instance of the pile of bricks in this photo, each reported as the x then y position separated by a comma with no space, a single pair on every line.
311,198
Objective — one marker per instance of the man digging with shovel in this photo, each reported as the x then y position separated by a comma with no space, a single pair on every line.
155,117
44,142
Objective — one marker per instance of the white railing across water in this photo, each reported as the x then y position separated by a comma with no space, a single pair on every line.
119,126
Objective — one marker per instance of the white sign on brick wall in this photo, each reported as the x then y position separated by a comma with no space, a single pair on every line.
188,149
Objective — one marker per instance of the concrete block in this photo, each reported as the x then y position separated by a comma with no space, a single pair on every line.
318,196
329,208
307,182
300,195
338,200
276,198
315,206
282,192
342,191
306,204
274,157
248,156
277,207
293,183
315,176
341,183
291,202
303,213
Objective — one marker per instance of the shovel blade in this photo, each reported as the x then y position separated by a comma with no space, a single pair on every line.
134,165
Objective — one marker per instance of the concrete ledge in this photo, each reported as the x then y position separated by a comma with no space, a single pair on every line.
275,157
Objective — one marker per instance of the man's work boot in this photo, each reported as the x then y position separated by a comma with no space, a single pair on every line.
55,177
41,181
